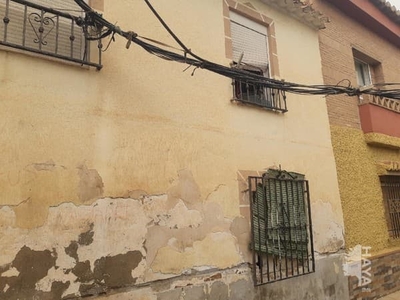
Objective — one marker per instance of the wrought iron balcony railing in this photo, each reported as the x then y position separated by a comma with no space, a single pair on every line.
256,94
56,32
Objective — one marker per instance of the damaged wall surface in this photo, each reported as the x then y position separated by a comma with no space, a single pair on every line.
124,182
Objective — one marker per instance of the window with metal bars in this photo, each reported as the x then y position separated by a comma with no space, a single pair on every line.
281,226
51,28
250,53
391,195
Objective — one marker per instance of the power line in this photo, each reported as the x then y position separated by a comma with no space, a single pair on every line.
105,28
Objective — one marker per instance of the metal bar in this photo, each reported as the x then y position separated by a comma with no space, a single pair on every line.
280,182
305,225
310,226
296,229
57,33
247,92
272,281
100,46
41,29
393,207
284,100
252,230
395,204
266,226
271,98
385,193
279,217
260,260
24,25
272,255
6,19
265,229
389,201
290,225
389,204
72,38
45,53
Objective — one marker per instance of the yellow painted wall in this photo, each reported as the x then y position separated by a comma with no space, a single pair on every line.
143,126
358,168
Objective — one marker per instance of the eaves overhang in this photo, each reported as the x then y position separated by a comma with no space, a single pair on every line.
367,13
388,9
300,10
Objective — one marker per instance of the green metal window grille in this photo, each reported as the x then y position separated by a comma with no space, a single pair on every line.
281,226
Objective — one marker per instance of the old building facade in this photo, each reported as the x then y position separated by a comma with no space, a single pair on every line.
135,181
360,46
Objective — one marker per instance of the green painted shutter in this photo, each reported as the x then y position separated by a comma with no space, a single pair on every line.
280,216
259,219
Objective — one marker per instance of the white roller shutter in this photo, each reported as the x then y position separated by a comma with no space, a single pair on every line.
250,38
57,31
62,5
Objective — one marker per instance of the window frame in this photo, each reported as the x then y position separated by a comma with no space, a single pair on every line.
360,67
275,100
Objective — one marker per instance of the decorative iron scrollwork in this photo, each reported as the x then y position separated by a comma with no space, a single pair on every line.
46,25
41,29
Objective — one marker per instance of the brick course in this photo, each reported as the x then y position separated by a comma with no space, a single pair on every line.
341,35
385,273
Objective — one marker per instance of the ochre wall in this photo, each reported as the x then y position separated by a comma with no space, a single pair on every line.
132,171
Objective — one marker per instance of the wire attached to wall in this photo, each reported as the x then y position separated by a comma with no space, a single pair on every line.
191,59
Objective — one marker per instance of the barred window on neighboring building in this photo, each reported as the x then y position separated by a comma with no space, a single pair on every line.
52,28
281,226
250,52
391,196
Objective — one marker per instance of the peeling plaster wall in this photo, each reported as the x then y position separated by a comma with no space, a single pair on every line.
128,176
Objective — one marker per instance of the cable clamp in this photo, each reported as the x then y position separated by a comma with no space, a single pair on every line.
186,51
130,36
118,30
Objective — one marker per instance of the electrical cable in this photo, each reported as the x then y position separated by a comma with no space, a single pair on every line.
191,59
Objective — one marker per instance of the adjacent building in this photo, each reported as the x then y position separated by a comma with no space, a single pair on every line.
360,47
140,181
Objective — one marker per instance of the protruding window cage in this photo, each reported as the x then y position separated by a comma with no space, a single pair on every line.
282,240
59,31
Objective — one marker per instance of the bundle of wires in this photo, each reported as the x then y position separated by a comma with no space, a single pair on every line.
188,57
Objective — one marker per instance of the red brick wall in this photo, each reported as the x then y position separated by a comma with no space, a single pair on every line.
385,271
342,34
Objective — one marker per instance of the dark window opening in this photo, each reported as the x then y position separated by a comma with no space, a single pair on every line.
257,94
